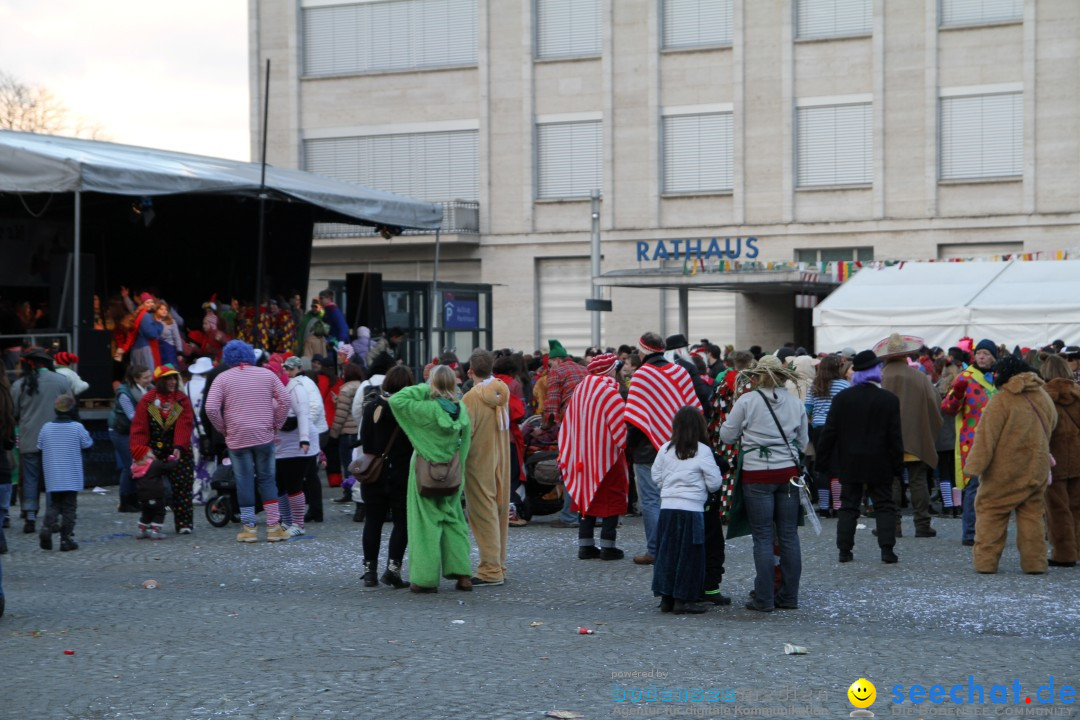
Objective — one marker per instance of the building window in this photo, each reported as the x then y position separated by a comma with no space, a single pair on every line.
982,136
832,18
696,23
568,28
835,145
697,153
393,35
569,159
817,255
437,166
980,12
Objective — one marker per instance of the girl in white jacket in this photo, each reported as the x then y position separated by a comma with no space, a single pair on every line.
685,471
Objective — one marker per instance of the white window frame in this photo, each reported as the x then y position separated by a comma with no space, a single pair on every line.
802,32
721,20
579,189
722,115
864,101
995,95
365,37
972,13
382,161
573,29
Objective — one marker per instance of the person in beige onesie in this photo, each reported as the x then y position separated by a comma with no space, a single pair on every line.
487,468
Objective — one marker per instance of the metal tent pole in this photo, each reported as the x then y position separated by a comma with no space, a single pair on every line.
262,203
436,305
77,266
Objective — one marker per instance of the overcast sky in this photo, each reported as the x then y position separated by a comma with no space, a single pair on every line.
170,75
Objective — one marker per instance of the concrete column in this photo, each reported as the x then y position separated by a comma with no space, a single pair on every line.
877,44
762,319
930,135
1031,34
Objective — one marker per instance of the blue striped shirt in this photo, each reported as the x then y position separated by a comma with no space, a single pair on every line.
61,443
818,407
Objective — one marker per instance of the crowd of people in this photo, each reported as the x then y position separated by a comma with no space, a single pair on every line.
718,444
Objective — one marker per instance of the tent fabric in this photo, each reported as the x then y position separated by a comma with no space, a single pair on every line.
1016,303
31,163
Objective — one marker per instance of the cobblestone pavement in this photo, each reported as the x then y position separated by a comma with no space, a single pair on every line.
287,631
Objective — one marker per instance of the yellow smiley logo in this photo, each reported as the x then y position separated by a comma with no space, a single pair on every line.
862,693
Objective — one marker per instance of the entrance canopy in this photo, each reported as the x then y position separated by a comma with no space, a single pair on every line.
1016,303
31,163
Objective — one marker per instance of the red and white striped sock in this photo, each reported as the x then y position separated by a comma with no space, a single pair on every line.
835,485
296,504
273,515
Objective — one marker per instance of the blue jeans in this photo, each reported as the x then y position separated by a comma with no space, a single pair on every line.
649,500
968,532
567,515
769,505
5,502
254,466
122,450
31,478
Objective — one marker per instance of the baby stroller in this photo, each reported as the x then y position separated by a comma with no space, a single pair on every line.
224,507
543,481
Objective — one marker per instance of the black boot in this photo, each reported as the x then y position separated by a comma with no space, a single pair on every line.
360,514
392,576
67,544
45,539
370,578
129,504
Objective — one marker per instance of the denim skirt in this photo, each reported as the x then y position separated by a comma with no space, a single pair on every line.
679,570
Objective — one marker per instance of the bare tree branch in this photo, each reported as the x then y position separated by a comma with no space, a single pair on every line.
30,108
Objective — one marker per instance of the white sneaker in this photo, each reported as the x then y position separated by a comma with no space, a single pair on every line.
294,530
142,533
185,531
154,533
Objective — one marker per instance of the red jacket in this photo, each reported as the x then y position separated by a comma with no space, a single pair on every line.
180,415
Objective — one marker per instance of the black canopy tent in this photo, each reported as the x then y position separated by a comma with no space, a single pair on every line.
183,224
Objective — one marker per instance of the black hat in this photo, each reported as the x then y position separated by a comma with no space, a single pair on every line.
1008,367
37,353
395,332
865,360
674,342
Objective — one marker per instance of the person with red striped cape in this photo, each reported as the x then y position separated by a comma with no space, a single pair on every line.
592,445
658,390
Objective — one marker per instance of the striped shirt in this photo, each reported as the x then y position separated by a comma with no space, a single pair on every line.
61,443
247,404
818,407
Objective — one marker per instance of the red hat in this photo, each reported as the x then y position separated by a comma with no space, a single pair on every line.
145,296
139,452
602,364
649,349
65,358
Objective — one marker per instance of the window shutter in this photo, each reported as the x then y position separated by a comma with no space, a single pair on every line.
691,23
833,18
564,285
568,28
697,153
982,136
977,12
392,35
434,166
569,159
835,145
711,315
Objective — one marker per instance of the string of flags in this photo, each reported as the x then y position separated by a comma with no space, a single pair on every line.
842,270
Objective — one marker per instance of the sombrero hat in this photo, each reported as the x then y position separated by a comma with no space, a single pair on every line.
897,345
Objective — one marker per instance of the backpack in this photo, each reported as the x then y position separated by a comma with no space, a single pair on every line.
439,479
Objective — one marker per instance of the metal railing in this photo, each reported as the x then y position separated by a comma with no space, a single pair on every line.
460,217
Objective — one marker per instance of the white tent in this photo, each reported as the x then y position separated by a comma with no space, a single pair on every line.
1016,303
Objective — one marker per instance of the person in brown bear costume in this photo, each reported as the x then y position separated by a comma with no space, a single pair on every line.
1011,456
1063,496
